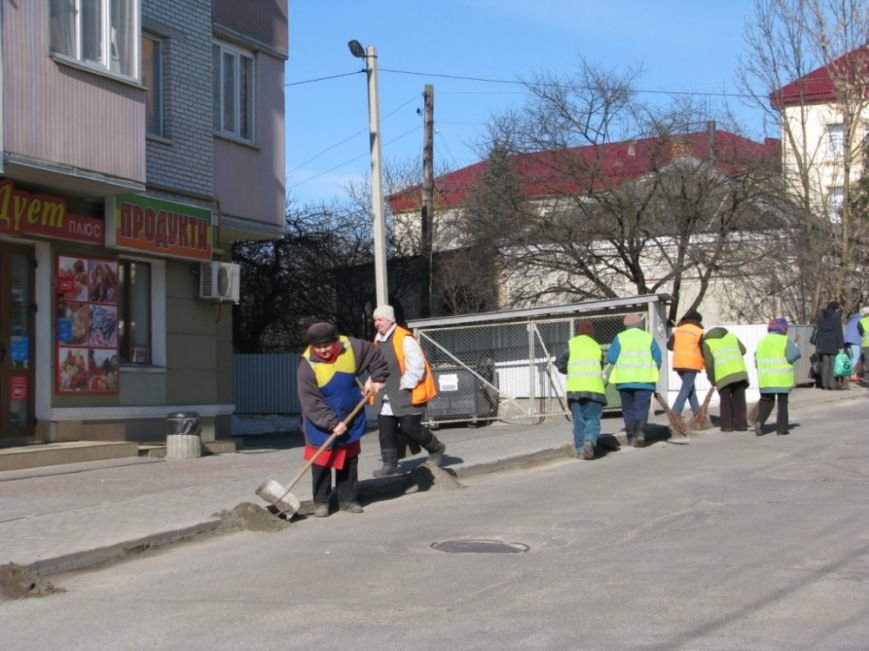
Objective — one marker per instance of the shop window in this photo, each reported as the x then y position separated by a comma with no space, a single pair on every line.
103,33
152,80
134,319
233,91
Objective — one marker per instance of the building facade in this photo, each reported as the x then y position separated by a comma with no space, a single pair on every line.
138,140
825,130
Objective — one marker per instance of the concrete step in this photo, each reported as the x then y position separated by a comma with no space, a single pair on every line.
52,454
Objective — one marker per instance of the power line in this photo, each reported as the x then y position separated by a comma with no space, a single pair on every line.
557,84
354,159
350,137
312,81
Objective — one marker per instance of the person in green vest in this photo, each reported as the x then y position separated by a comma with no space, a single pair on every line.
635,357
724,358
863,329
582,362
774,359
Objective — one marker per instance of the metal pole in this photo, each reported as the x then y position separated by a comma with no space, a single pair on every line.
427,221
379,227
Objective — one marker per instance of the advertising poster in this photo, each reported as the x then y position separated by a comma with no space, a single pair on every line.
87,325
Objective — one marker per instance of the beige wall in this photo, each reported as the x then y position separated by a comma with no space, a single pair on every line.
249,181
61,114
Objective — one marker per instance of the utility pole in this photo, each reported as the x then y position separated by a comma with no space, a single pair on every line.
426,216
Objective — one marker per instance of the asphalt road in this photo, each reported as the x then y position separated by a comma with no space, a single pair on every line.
729,542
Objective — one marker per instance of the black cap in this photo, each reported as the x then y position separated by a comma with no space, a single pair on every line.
322,333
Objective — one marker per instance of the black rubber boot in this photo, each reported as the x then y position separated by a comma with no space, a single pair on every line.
390,464
435,451
640,436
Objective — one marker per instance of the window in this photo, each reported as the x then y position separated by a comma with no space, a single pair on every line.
835,201
134,312
233,91
152,79
835,140
104,33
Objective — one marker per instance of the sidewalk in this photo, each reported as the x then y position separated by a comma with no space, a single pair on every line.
64,518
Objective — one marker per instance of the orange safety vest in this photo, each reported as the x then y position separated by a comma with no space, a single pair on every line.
686,347
427,388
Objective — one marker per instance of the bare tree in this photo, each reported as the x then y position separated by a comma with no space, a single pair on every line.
786,41
627,202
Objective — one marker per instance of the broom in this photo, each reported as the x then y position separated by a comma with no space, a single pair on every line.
700,420
677,425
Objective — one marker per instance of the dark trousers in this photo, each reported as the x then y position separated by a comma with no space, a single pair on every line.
732,409
635,406
827,380
346,482
410,426
767,401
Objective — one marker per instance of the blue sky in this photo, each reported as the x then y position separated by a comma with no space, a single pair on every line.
683,46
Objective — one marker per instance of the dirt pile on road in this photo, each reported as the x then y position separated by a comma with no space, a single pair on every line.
250,517
17,582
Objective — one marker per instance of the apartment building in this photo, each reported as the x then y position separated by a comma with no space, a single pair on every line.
138,140
825,130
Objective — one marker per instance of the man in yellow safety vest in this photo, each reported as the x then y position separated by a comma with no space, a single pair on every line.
582,362
774,358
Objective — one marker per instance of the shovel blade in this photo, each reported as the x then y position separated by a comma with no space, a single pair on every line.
275,494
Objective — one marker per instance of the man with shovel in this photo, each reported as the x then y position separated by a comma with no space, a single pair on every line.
409,387
329,390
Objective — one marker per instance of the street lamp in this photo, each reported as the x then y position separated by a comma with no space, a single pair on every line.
370,56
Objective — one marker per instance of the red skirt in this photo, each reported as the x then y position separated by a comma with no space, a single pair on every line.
336,457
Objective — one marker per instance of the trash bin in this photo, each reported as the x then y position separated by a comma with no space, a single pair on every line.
183,440
462,396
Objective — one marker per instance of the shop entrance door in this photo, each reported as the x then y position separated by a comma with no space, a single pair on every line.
17,310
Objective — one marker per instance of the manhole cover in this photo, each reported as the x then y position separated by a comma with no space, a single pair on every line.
479,547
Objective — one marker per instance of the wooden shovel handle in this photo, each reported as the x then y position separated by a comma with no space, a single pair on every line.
323,447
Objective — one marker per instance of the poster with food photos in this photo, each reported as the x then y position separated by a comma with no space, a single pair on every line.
86,306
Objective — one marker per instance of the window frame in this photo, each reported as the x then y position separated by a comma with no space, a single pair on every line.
835,141
74,48
835,202
220,51
155,92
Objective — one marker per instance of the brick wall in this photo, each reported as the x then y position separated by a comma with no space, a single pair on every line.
183,160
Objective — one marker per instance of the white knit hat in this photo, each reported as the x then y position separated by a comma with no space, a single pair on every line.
385,312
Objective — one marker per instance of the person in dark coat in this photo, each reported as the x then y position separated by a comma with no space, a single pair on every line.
328,391
829,340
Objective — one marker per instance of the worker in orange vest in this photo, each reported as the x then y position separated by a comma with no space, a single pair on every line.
409,387
685,342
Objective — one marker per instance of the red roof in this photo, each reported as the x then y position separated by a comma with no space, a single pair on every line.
818,86
593,168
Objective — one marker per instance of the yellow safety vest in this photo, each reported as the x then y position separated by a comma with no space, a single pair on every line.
583,366
773,369
635,363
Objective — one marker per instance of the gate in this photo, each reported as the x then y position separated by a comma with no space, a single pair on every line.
501,365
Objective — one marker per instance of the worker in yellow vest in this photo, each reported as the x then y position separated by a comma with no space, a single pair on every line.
774,359
685,342
724,358
636,358
863,329
582,362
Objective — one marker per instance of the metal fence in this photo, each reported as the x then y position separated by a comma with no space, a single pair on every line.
501,366
265,383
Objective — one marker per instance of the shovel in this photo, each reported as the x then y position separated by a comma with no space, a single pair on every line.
280,496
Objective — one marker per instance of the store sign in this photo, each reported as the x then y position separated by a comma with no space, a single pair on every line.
25,213
169,229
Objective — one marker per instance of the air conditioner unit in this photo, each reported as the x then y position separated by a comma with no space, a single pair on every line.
219,281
